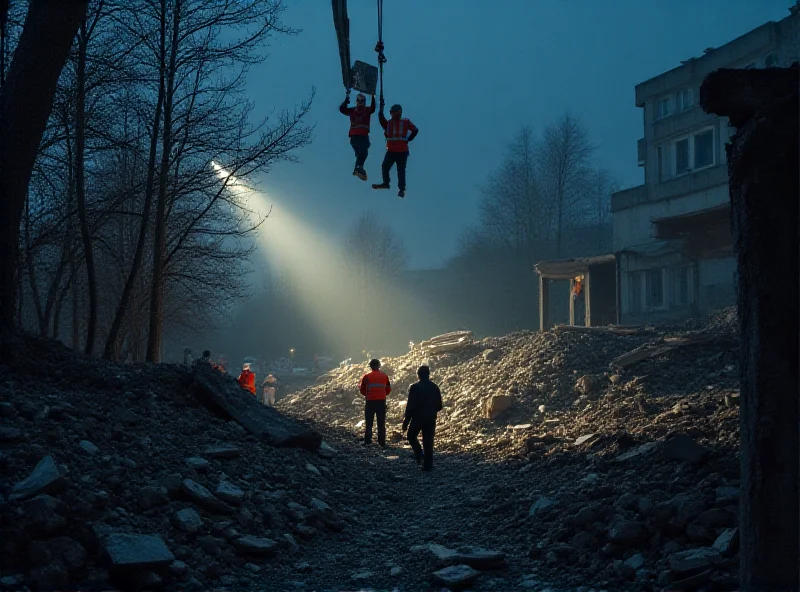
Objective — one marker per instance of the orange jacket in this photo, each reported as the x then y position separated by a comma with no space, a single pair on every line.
397,133
375,386
359,118
247,380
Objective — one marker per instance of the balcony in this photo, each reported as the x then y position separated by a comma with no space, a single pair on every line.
691,183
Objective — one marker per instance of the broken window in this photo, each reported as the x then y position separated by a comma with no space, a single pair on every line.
704,149
663,108
654,295
682,156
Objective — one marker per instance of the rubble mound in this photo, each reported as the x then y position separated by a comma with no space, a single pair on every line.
608,455
127,475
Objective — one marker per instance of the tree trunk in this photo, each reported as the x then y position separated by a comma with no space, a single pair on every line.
763,166
26,100
29,263
156,325
113,342
80,187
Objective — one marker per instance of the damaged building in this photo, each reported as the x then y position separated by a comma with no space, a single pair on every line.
672,235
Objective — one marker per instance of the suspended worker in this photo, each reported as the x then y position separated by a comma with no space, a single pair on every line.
359,130
375,387
399,131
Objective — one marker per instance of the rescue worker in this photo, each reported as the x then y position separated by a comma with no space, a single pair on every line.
247,380
396,130
268,390
424,403
359,130
375,387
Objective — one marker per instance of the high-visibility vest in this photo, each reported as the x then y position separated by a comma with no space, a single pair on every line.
359,122
375,386
396,133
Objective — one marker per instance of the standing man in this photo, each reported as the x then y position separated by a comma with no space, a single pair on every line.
375,387
268,390
424,403
397,135
359,130
247,380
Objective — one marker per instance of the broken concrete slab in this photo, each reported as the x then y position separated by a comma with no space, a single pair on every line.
684,449
727,543
475,557
223,396
137,551
693,561
229,492
44,478
456,577
222,451
188,520
252,545
203,497
642,450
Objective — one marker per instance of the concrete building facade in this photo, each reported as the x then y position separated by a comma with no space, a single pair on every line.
672,235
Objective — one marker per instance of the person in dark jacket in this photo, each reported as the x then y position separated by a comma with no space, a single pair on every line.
424,403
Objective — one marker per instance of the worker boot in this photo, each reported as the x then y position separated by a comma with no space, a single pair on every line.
361,173
380,186
401,193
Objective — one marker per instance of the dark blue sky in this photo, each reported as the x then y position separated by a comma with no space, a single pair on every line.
468,73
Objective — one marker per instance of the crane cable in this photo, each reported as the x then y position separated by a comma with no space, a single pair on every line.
379,49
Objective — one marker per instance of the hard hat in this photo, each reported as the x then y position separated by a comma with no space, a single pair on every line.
246,366
395,108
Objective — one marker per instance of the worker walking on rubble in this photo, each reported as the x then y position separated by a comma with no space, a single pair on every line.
247,380
424,403
375,387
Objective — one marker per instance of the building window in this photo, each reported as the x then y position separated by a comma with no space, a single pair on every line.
704,149
663,108
659,164
682,156
654,289
771,60
683,100
635,291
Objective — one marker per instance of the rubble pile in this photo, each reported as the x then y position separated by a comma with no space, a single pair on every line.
119,475
582,473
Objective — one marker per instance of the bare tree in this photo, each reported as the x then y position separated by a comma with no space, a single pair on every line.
565,171
26,100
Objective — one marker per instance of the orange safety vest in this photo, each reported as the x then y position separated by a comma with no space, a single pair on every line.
375,386
247,380
396,133
359,121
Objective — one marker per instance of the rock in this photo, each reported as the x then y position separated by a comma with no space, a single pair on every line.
9,435
45,478
498,405
45,514
642,450
50,577
364,574
63,552
325,451
635,562
587,385
88,447
684,449
312,469
10,582
203,497
456,577
229,492
584,439
151,497
225,398
197,463
395,571
146,580
727,543
222,451
584,540
303,567
291,544
178,568
7,410
137,551
687,563
628,532
252,568
251,545
319,505
188,520
541,506
473,556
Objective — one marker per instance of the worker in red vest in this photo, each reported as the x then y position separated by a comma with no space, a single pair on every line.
247,380
375,387
399,131
359,130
